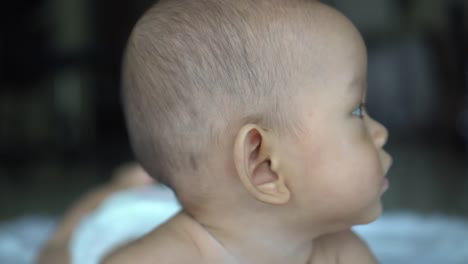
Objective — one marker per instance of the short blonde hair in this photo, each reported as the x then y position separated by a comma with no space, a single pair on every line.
193,69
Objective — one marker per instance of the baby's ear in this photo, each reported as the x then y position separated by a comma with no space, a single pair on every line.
255,165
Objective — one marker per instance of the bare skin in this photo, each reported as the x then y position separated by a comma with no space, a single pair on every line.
284,198
275,198
184,234
181,234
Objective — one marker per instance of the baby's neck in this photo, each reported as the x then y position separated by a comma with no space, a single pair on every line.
252,247
257,242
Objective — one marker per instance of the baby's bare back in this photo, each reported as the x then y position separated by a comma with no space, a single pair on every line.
182,240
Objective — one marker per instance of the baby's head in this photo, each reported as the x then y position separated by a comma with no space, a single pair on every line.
256,106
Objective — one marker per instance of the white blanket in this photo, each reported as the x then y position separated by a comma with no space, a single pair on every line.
395,238
405,237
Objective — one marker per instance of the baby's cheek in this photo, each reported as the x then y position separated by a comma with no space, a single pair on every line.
367,169
371,156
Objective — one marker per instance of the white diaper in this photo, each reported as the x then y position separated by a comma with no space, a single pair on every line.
123,217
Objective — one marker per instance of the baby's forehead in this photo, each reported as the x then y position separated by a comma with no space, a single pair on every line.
319,34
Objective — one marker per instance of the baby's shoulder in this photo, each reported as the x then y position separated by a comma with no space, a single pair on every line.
343,247
169,243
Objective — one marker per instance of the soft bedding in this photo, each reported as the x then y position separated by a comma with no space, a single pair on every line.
396,237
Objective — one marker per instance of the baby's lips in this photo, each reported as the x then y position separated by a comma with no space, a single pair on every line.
385,185
391,160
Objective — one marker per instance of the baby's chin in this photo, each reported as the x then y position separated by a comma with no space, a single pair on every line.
364,216
370,214
346,220
375,209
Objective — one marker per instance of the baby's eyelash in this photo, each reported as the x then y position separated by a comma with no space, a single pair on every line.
359,111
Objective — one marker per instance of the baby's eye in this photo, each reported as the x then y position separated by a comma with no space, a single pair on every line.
359,111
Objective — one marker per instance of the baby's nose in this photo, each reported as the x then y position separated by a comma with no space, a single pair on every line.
379,133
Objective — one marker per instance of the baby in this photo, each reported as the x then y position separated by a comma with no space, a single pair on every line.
253,112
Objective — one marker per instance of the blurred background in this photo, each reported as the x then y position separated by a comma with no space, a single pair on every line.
62,130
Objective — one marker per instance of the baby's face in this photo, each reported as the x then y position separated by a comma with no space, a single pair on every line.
338,164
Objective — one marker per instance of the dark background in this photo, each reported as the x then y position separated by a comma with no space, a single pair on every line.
62,131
